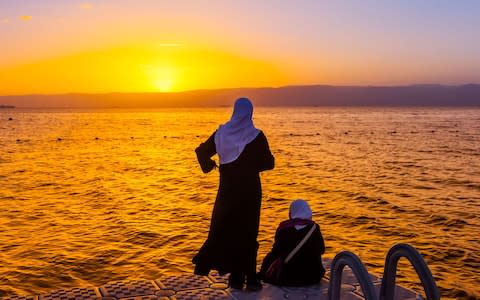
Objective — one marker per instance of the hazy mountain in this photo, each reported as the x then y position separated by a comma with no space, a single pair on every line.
313,95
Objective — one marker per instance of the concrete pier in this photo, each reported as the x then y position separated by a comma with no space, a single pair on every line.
214,286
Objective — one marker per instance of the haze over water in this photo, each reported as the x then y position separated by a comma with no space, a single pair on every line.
90,197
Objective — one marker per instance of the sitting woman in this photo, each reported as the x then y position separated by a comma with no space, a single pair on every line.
295,259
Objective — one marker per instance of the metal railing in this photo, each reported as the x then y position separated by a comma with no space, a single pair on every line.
346,258
387,290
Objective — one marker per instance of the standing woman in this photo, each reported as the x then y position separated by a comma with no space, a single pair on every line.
231,246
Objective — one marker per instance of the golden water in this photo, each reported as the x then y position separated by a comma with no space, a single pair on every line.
89,197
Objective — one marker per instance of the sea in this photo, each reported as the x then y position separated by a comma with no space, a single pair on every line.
93,196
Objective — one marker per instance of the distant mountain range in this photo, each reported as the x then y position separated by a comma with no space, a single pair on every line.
311,95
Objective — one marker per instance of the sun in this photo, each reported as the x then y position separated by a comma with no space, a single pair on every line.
164,85
163,78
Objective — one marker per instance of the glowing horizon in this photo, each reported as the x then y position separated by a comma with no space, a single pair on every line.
147,46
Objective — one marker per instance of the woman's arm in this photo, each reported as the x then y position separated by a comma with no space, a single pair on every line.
322,243
266,160
204,153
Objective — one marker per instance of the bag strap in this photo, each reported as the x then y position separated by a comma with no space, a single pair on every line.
295,250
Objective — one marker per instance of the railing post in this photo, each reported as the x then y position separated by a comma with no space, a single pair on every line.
387,290
346,258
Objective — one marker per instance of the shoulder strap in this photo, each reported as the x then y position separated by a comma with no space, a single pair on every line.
305,238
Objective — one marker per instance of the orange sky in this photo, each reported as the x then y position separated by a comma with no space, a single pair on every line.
147,46
162,67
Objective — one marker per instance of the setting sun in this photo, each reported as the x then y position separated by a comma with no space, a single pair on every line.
165,85
163,78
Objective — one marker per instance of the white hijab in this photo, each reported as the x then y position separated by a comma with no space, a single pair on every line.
232,137
299,209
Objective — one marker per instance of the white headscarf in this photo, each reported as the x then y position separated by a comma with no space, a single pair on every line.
299,209
232,137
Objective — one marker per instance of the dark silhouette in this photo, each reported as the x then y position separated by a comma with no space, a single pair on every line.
305,266
231,246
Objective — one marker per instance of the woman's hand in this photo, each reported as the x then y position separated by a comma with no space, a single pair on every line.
211,164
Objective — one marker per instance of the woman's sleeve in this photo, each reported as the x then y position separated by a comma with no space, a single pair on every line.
204,153
321,243
266,159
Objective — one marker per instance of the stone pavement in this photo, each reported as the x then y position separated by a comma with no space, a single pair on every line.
214,286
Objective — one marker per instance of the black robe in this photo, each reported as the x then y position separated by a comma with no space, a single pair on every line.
232,244
305,267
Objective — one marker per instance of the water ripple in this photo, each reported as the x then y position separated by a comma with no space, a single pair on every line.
92,197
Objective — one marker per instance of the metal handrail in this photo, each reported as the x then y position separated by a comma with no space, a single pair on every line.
346,258
387,290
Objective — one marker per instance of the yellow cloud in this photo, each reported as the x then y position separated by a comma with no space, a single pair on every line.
25,18
86,5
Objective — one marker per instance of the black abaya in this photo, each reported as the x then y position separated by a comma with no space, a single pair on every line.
305,267
232,244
